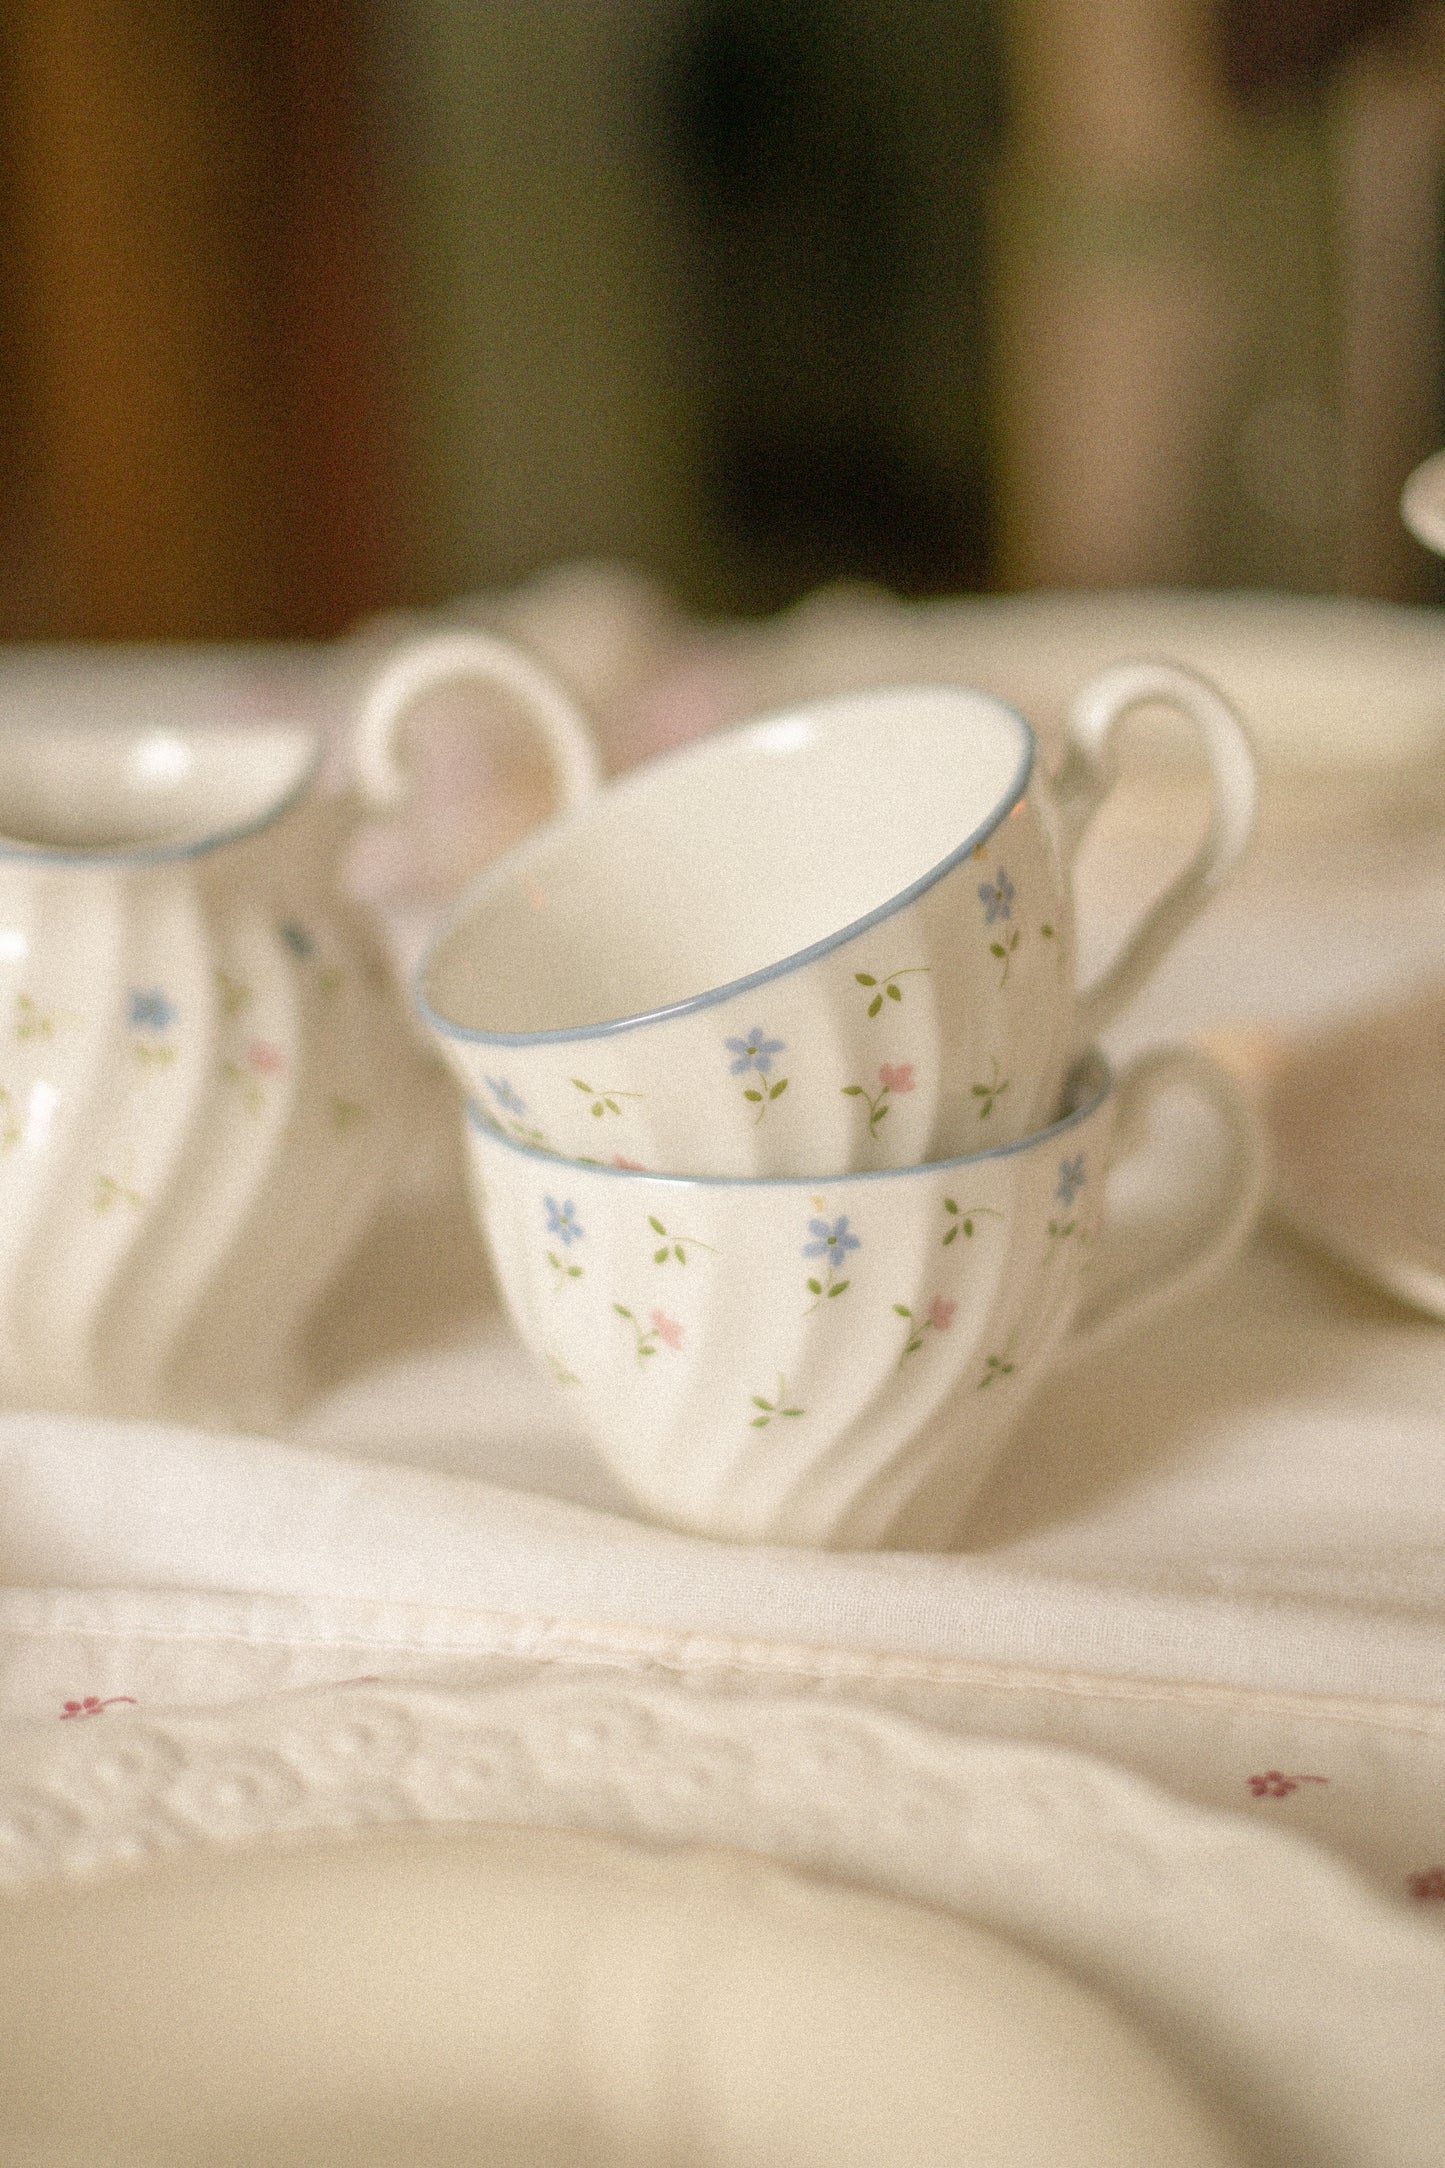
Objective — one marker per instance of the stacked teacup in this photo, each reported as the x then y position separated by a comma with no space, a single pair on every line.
788,1137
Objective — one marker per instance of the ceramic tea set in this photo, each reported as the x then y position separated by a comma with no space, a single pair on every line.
788,1138
786,1132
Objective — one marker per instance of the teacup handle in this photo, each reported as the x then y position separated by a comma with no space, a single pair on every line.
466,657
1162,1255
1088,774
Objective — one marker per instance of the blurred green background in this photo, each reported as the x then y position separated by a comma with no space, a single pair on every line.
307,312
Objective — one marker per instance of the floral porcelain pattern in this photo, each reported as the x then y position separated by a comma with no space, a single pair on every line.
754,1011
975,1299
754,1055
200,1079
881,1330
903,1098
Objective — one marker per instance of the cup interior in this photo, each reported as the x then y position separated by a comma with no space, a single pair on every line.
142,791
728,863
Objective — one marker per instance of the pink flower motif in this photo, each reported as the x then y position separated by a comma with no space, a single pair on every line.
1428,1887
265,1058
92,1705
941,1313
896,1077
1274,1784
667,1329
632,1166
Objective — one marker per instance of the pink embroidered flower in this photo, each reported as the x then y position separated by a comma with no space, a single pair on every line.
896,1077
632,1166
268,1060
1274,1784
92,1705
1429,1887
941,1313
667,1329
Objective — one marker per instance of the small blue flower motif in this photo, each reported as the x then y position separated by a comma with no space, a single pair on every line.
150,1010
297,939
507,1099
756,1051
832,1242
997,897
562,1221
1071,1179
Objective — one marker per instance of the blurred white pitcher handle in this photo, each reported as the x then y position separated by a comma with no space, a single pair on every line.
1162,1254
463,657
1088,775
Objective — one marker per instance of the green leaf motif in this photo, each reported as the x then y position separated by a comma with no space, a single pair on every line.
865,978
656,1225
893,994
852,1091
875,1004
659,1257
779,1088
603,1100
754,1096
841,1288
771,1408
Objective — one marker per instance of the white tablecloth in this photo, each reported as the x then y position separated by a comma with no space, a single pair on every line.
1217,1552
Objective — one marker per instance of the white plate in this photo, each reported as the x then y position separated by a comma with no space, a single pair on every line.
1310,2011
1326,683
529,1998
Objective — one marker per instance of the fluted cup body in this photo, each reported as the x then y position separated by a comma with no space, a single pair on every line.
203,1070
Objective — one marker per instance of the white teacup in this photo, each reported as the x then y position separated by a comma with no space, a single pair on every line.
835,939
838,1362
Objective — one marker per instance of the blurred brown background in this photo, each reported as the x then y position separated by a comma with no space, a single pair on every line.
307,309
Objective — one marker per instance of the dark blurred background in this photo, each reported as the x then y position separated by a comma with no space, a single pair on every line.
309,309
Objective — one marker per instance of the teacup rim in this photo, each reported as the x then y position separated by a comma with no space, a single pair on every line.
515,860
15,851
1092,1074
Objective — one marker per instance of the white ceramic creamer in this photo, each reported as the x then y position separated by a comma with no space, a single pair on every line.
208,1081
